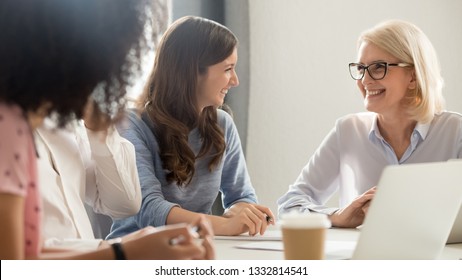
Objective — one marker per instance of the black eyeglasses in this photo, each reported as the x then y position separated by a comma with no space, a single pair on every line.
377,71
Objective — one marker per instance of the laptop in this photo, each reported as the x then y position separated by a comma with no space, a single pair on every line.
456,233
412,212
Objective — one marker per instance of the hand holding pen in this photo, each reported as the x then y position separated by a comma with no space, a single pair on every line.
253,218
172,242
198,233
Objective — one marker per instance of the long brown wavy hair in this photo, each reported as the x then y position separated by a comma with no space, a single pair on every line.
187,49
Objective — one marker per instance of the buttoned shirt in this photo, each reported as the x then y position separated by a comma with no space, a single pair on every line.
351,158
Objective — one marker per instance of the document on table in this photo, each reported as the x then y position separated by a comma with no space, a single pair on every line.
333,249
270,235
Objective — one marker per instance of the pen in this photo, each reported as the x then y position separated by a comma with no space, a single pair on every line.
268,219
177,240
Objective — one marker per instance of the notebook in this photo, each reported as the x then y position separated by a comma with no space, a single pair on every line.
412,212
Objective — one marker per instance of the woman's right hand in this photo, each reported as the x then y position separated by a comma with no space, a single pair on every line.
246,217
353,215
156,243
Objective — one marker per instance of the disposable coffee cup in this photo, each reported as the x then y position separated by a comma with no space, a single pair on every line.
303,235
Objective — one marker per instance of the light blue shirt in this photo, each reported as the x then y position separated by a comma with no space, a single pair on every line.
352,156
231,177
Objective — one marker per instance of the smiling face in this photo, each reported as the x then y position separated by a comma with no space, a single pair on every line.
213,85
384,97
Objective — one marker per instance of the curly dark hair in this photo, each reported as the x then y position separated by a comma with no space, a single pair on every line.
187,49
61,51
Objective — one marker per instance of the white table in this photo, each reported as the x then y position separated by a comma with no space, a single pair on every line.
226,250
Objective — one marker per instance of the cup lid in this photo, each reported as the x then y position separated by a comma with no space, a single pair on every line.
304,220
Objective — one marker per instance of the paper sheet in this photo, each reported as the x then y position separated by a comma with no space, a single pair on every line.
334,250
270,235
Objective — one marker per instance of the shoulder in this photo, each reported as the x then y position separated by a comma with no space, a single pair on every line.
16,149
133,116
138,129
11,116
132,121
448,117
447,123
50,132
14,126
224,119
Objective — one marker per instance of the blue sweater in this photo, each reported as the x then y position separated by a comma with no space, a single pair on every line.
230,177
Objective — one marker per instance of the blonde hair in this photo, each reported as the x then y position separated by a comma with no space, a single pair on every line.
409,44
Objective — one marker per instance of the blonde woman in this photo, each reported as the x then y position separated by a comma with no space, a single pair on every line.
398,76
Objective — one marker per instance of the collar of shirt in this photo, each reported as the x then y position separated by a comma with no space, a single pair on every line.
418,135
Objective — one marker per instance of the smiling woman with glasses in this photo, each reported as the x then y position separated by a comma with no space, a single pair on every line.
398,76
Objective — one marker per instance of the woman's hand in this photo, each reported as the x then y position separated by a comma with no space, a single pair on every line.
353,215
171,242
246,217
204,229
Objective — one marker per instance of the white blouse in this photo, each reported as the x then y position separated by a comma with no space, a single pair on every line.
78,166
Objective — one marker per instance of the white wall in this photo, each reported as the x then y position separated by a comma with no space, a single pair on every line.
299,81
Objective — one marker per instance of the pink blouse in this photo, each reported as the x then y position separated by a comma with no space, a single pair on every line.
18,174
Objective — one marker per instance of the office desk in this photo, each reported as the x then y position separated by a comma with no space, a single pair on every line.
225,249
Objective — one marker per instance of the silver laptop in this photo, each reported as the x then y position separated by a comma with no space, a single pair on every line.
456,233
412,212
